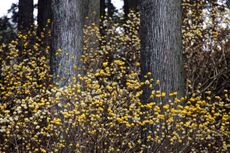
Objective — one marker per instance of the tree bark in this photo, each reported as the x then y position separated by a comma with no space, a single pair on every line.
161,44
44,14
102,8
67,32
92,11
25,18
129,5
110,7
107,4
228,3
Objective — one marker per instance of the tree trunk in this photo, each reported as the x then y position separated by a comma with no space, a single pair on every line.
92,18
44,14
92,11
228,3
67,36
107,4
214,27
129,5
102,8
110,7
25,18
161,44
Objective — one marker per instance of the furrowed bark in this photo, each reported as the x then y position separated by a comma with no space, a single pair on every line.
67,32
161,43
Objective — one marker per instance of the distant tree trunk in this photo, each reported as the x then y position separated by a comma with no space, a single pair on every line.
91,19
92,11
67,36
102,7
107,4
44,13
214,20
110,7
228,3
161,44
129,5
25,18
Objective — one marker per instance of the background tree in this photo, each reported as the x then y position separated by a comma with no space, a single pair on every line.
92,11
129,5
161,44
102,7
228,3
7,30
107,6
110,7
25,16
44,13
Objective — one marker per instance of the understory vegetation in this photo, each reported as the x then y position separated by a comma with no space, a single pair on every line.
101,109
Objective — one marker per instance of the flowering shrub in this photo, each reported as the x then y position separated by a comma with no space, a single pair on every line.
206,45
101,111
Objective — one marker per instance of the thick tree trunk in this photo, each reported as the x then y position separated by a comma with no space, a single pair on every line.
25,18
67,36
161,44
44,14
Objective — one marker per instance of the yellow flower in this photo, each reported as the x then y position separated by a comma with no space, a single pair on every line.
163,94
56,121
158,82
43,150
166,107
150,105
119,120
119,62
158,95
105,64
